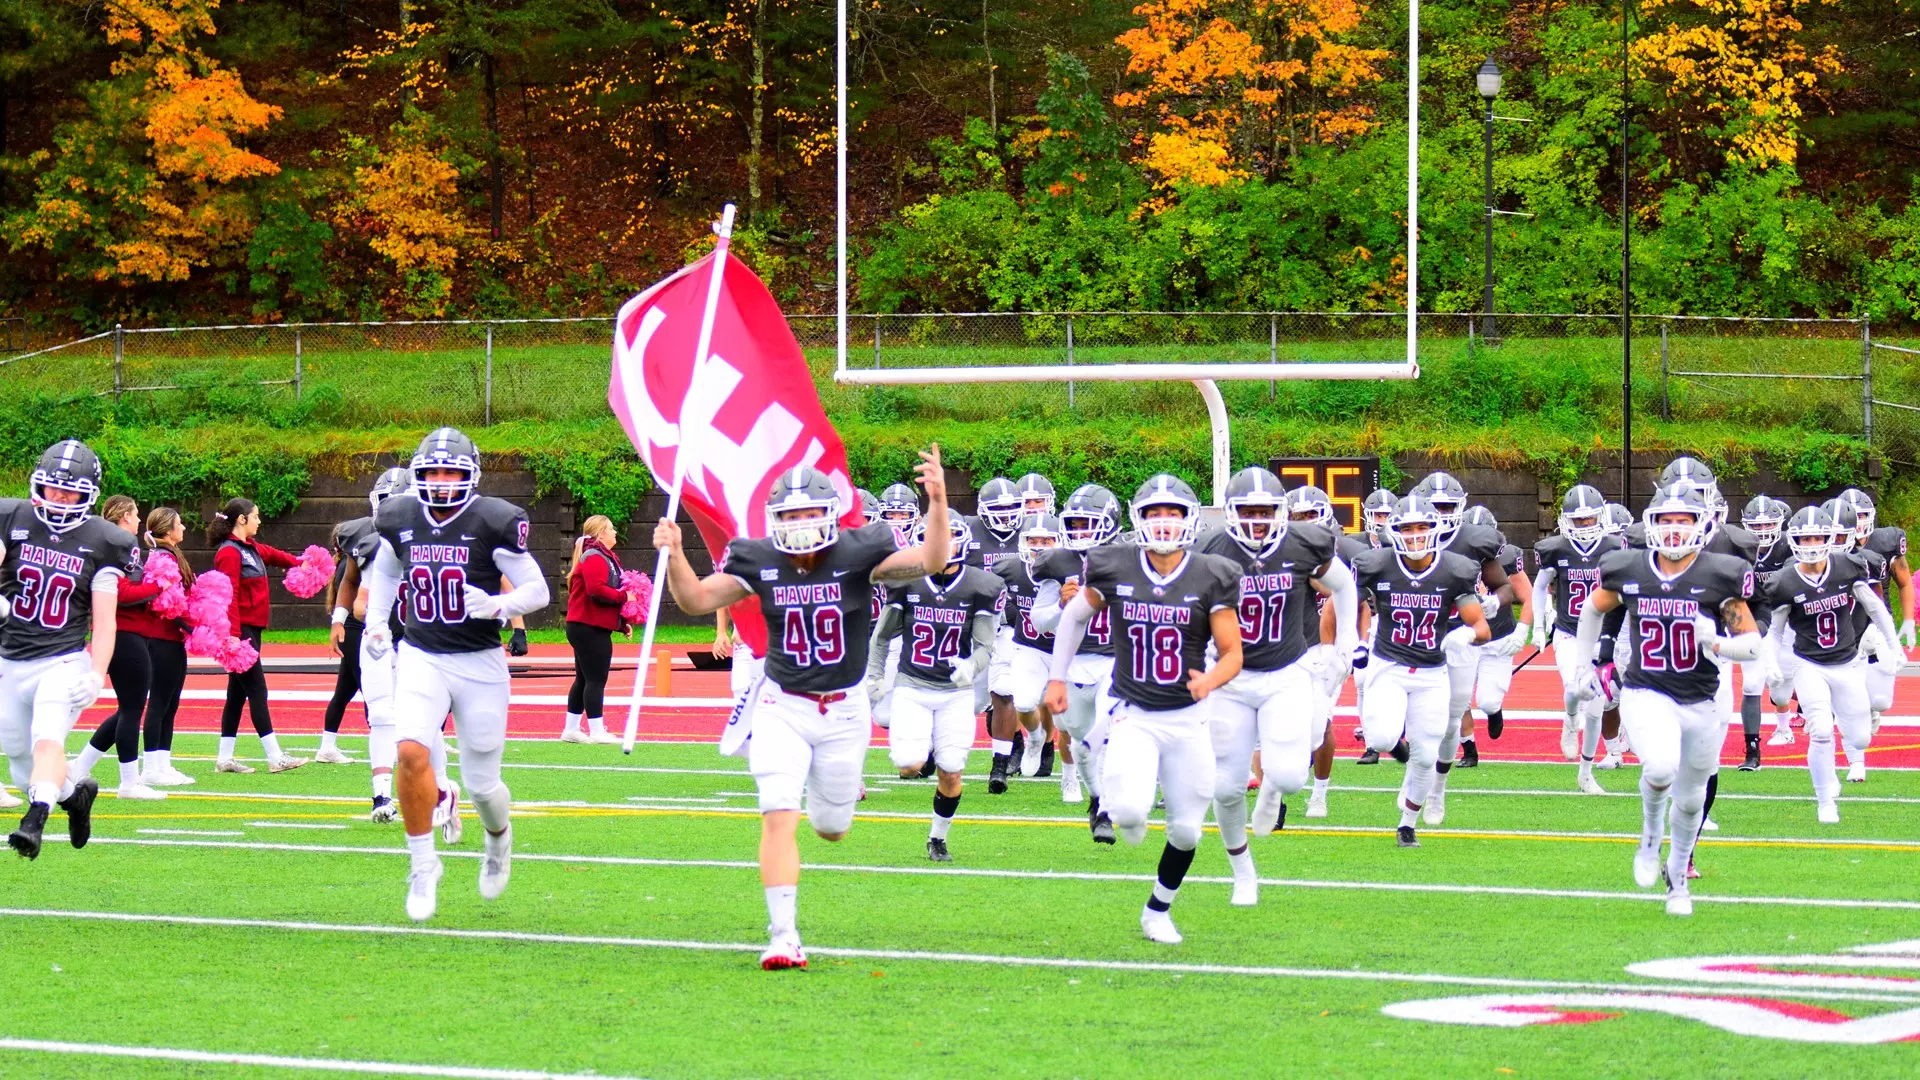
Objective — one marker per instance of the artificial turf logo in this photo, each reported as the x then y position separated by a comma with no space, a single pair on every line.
1739,1011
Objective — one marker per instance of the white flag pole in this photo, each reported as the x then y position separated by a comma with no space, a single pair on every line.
680,454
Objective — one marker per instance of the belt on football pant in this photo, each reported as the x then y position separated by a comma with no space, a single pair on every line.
822,700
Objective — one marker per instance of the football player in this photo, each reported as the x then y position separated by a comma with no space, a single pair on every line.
1885,551
1283,663
997,543
1566,571
1033,745
948,621
1036,494
1763,517
1375,511
1415,585
453,547
1817,639
1350,547
1166,602
63,567
900,508
809,718
1027,649
1619,520
1493,674
1681,607
361,542
869,505
1090,522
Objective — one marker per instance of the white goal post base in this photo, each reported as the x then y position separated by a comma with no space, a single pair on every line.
1202,376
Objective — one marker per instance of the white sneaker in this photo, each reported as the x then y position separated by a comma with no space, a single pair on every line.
783,953
1569,739
1709,825
1829,813
423,891
332,757
8,800
232,766
1857,773
603,738
1030,754
496,863
1435,812
138,790
1317,805
1159,928
1590,786
1646,866
1267,809
1246,891
1679,900
574,736
1070,789
1613,760
285,764
168,777
446,814
1782,736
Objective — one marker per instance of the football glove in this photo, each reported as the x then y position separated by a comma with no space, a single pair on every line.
876,689
1511,643
1458,638
85,690
1361,654
1908,636
378,641
1601,681
517,644
481,604
964,670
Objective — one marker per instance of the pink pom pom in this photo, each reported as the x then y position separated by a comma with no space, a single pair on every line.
171,603
161,569
205,641
237,655
209,603
639,589
311,575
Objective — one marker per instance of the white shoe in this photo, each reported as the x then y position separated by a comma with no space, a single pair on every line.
1268,807
332,757
446,814
1646,866
1435,812
423,891
1709,825
496,863
574,736
783,953
603,738
168,777
1782,736
1590,786
1829,813
1857,773
1030,754
1569,739
284,764
1246,892
1679,900
232,766
1070,789
1159,928
8,800
1613,760
1317,805
384,812
138,790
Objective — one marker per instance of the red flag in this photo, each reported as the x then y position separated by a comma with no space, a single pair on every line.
752,413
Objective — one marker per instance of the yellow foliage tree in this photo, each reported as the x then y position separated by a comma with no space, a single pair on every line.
406,204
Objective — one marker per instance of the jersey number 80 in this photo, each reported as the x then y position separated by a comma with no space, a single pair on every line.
440,597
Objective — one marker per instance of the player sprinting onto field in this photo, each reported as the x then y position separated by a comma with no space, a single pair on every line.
453,547
1167,602
810,717
360,539
1682,607
1566,572
1090,520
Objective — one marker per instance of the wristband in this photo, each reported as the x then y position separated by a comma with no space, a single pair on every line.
340,616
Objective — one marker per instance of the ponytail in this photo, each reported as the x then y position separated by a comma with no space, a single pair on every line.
222,528
160,523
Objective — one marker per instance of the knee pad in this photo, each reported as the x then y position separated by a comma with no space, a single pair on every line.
1659,778
950,761
905,757
1289,777
829,819
1692,802
1227,790
480,770
1184,837
1493,699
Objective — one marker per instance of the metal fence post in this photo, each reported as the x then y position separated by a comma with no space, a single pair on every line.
486,405
1273,350
119,361
1866,378
296,364
1069,360
876,342
1666,404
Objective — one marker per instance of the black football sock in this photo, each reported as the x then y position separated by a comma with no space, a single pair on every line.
1750,715
1173,870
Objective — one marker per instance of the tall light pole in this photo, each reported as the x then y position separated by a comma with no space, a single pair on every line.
1488,80
1626,266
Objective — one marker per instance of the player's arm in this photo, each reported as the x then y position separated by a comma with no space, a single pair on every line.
1539,603
1499,586
693,594
383,587
1523,590
1337,580
343,607
1877,613
985,625
106,621
1225,622
722,634
529,595
1049,600
910,564
1902,574
888,626
1067,636
1741,641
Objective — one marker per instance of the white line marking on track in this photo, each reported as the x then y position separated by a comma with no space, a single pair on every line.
1051,875
1056,962
291,825
190,832
275,1061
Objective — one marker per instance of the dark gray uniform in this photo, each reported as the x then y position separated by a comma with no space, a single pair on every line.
1875,568
936,625
1575,576
1022,589
818,623
1061,566
438,559
1661,650
1821,615
990,549
348,537
1160,631
49,579
1410,611
1276,597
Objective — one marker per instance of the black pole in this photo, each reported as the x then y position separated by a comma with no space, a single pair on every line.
1486,303
1626,279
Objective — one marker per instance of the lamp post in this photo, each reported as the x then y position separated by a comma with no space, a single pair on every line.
1488,81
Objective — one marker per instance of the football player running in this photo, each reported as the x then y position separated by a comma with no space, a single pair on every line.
1885,552
1567,571
1493,673
361,541
1090,521
453,547
1415,586
899,510
948,622
1023,649
809,715
1765,517
1166,603
63,567
1034,740
1681,607
997,543
1283,663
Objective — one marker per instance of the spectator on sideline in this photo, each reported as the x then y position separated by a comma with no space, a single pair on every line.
594,597
239,556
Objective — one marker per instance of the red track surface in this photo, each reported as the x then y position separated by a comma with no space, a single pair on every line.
1535,688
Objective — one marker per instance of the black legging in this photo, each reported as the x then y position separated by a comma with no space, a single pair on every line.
347,683
247,688
169,660
592,659
132,675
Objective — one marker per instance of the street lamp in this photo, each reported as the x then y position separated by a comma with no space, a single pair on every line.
1488,81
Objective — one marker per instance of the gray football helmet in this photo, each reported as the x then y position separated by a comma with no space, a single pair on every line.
1583,516
1036,493
1846,519
1162,534
1377,508
869,506
1000,505
1309,503
1863,511
394,481
1091,518
900,507
1810,535
1619,519
1256,508
1407,540
68,465
1692,472
1447,497
446,448
1040,533
962,538
1762,517
1677,540
803,511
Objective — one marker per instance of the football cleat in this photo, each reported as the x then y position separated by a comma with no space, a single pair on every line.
1317,805
1401,751
79,808
423,891
232,766
1100,824
138,790
1590,786
783,954
1371,757
1469,755
1752,763
8,800
446,814
167,777
1070,788
1246,890
327,756
1798,721
937,850
1828,813
1613,760
1782,736
1435,812
1405,837
1046,759
496,863
1857,772
1569,739
1679,900
1646,866
575,736
603,737
385,810
928,767
997,776
1709,825
26,838
1693,869
1159,928
1269,810
284,764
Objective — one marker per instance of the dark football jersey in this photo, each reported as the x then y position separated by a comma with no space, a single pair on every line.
1575,576
1888,542
50,579
1352,546
1476,542
1160,627
1061,566
365,548
1876,576
1500,621
1022,590
937,621
1775,556
438,559
990,549
1660,641
348,537
819,623
1411,610
1278,618
1820,612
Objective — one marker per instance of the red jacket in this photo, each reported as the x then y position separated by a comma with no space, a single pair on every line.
136,615
246,563
593,589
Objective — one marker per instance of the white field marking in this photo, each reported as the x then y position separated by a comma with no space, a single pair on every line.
739,794
1054,962
1048,875
1807,798
190,832
291,825
275,1061
1892,948
668,799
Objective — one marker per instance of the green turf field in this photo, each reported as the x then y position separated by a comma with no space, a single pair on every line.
640,872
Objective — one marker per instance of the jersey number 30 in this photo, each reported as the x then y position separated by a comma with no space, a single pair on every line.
43,596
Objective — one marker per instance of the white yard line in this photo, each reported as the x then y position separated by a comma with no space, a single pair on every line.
190,832
275,1061
997,960
291,825
1051,875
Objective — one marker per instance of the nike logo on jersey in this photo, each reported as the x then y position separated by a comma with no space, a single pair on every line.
84,550
1696,591
839,573
466,538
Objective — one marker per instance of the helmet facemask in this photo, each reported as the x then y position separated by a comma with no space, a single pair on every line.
801,526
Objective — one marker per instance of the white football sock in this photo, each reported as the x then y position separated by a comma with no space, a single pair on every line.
940,828
596,726
271,744
421,849
226,747
1002,747
1320,787
1069,774
43,792
1653,813
1242,864
573,724
1826,782
87,759
329,741
383,785
494,807
781,902
1854,756
129,773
